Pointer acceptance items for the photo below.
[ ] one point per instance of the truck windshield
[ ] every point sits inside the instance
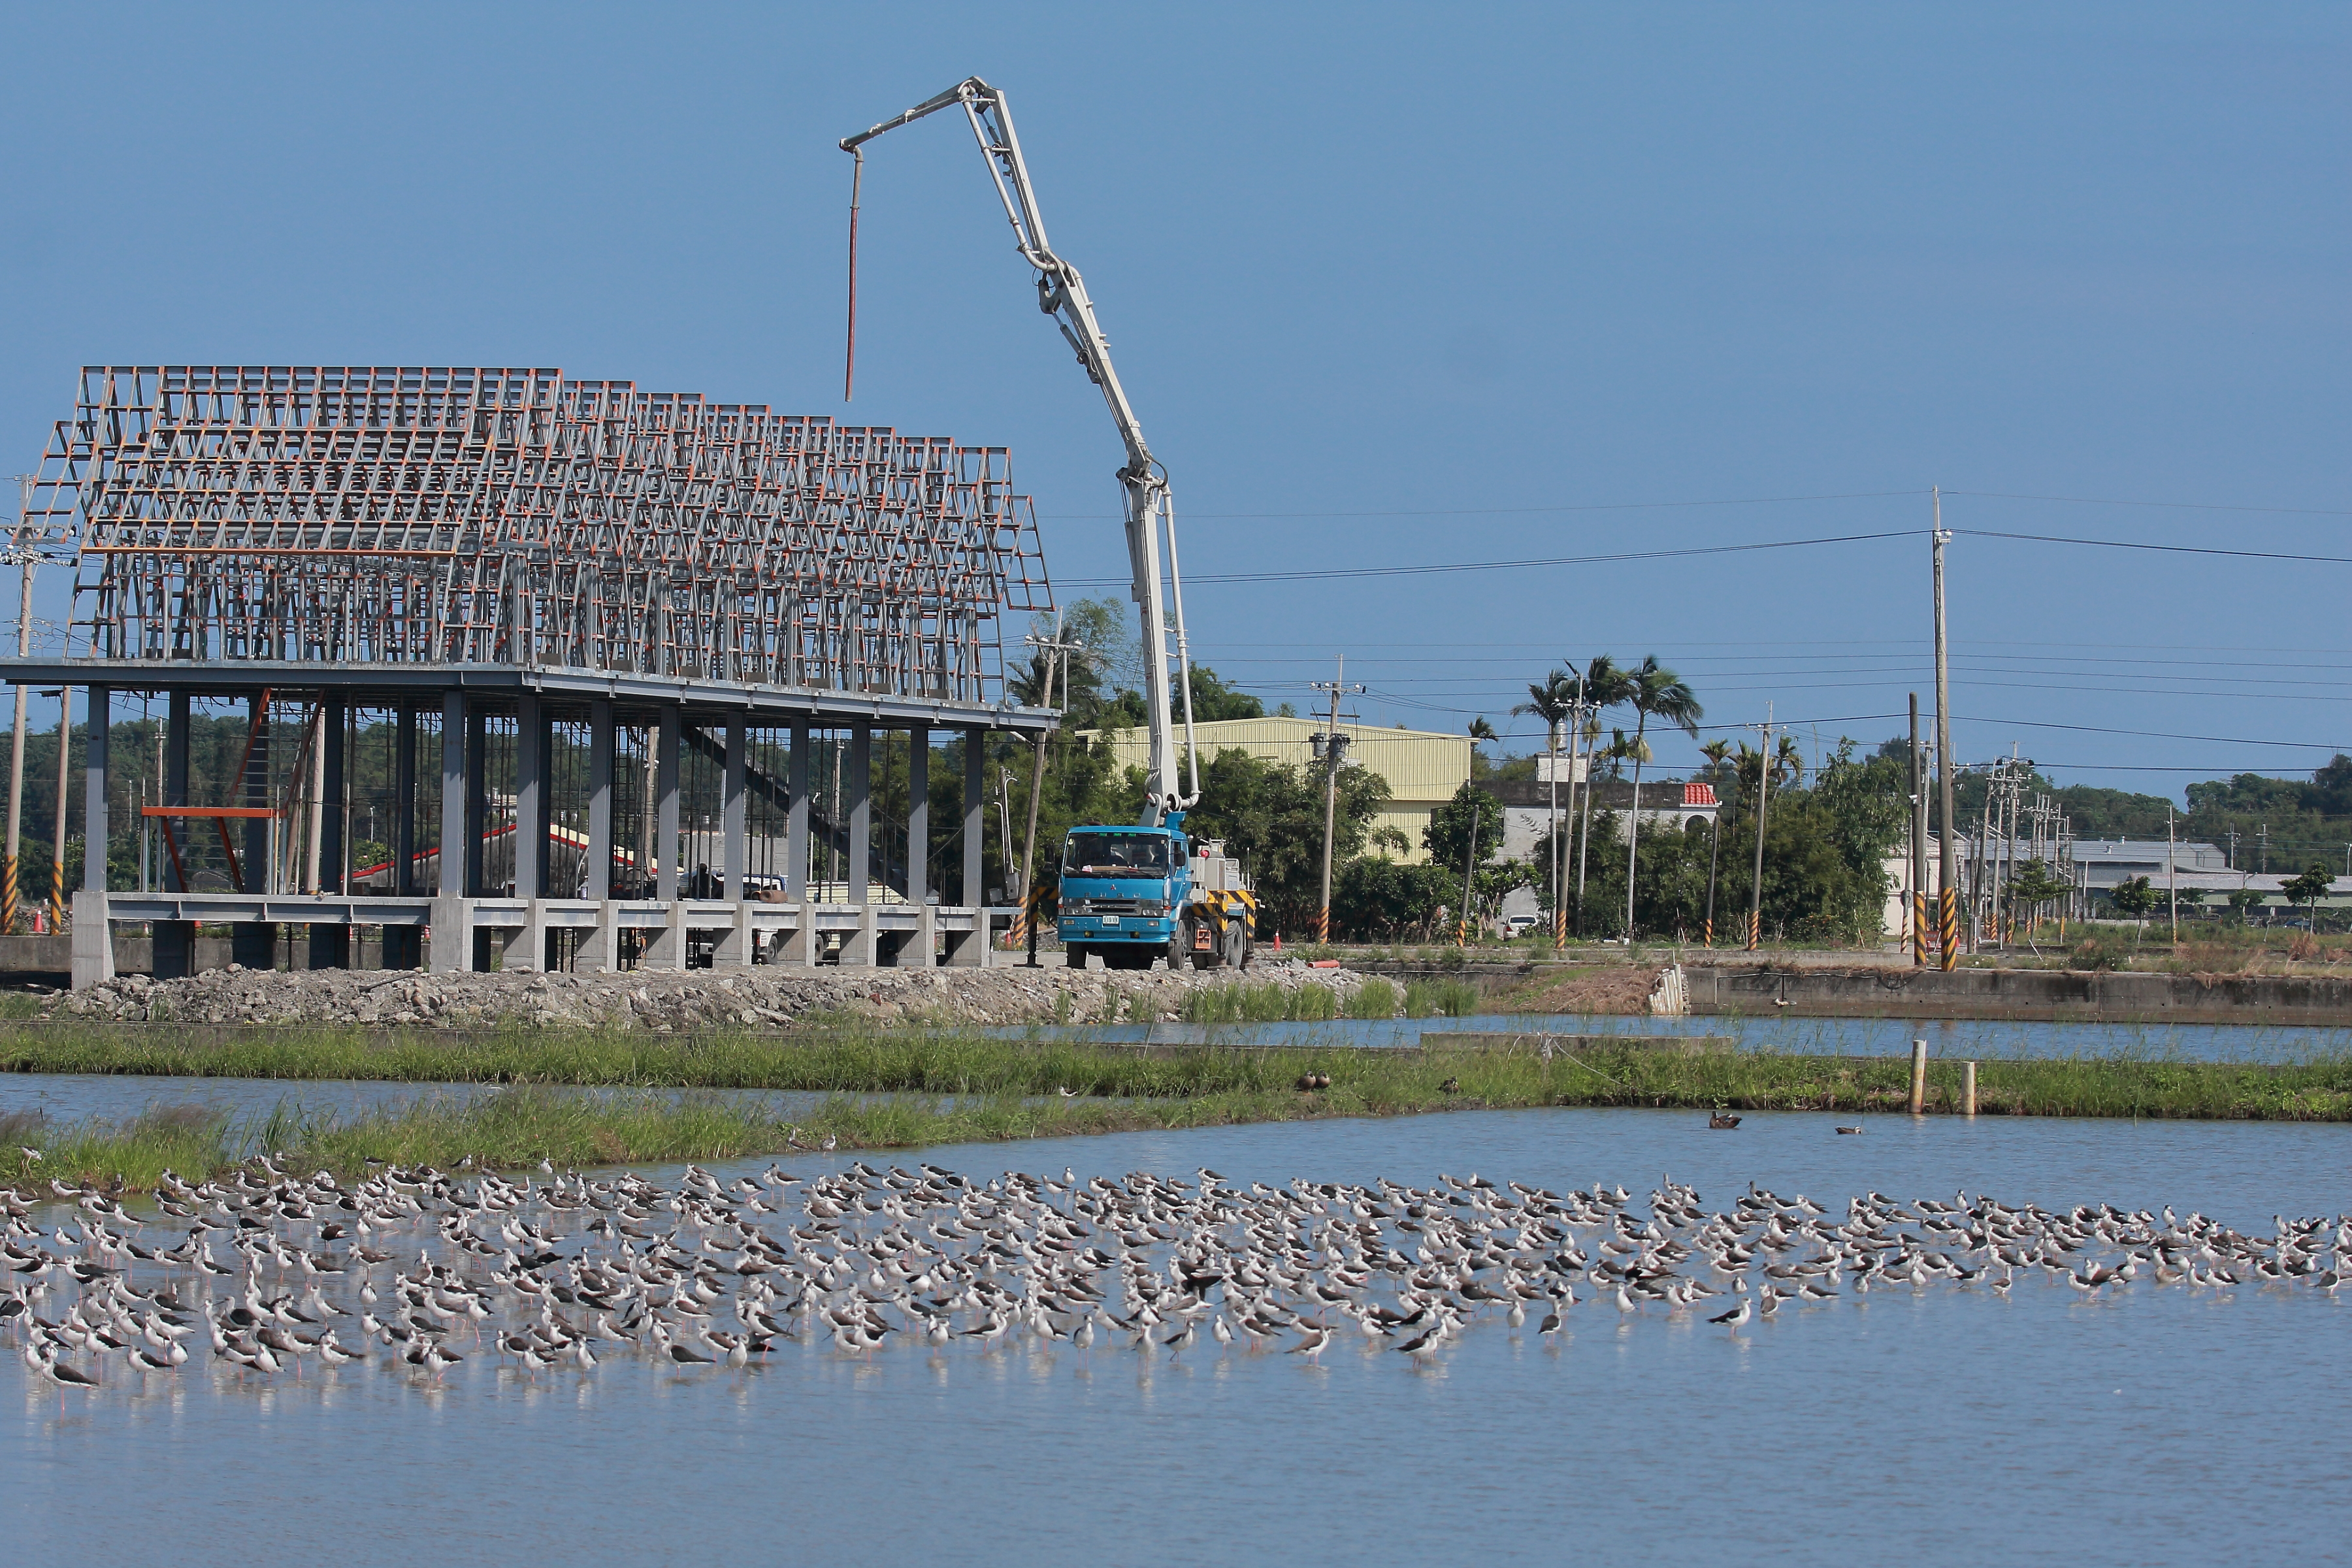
(1114, 855)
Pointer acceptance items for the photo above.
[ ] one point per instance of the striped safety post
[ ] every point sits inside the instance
(1919, 929)
(57, 894)
(1755, 930)
(1558, 929)
(1323, 924)
(8, 899)
(1950, 929)
(1710, 931)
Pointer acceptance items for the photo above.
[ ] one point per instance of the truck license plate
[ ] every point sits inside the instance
(1110, 920)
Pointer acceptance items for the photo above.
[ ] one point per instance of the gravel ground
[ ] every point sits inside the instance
(665, 1001)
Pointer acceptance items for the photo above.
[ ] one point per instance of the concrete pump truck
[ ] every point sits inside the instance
(1130, 892)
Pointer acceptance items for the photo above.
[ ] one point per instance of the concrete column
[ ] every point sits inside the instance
(94, 782)
(330, 943)
(476, 793)
(599, 951)
(919, 814)
(975, 817)
(731, 815)
(404, 945)
(796, 818)
(531, 798)
(971, 950)
(526, 947)
(93, 933)
(453, 926)
(666, 788)
(175, 941)
(254, 943)
(525, 950)
(600, 800)
(404, 803)
(858, 784)
(738, 943)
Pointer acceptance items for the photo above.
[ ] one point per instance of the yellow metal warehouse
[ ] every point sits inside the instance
(1422, 767)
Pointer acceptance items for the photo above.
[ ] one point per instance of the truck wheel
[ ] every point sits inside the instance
(1236, 954)
(1076, 955)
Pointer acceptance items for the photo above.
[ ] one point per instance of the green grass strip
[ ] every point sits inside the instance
(911, 1089)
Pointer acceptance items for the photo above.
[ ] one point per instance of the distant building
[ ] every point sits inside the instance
(1422, 767)
(1669, 803)
(1665, 803)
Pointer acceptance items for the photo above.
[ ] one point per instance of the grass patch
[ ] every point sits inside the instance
(1241, 1002)
(1375, 998)
(908, 1089)
(1441, 999)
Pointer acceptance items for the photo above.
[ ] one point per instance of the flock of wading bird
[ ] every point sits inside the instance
(419, 1269)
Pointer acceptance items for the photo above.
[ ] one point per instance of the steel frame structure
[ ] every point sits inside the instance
(425, 518)
(515, 549)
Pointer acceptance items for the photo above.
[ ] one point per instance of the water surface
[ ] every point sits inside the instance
(1949, 1426)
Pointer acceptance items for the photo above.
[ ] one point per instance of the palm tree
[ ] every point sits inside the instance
(1480, 730)
(1604, 687)
(1715, 752)
(1554, 702)
(1655, 692)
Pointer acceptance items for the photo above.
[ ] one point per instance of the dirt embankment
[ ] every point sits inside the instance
(1615, 989)
(759, 998)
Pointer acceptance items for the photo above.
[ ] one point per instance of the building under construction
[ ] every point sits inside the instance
(562, 672)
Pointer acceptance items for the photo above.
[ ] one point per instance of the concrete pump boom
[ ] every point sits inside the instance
(1151, 508)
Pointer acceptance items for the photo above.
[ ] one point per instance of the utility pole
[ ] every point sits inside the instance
(1469, 869)
(1584, 833)
(2266, 837)
(57, 839)
(1049, 650)
(1714, 851)
(24, 564)
(1004, 822)
(1918, 922)
(1947, 900)
(2171, 874)
(1763, 793)
(1330, 747)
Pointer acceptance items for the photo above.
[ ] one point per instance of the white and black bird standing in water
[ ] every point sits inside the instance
(1314, 1337)
(702, 1268)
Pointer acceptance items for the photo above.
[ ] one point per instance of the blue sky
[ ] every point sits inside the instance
(1391, 286)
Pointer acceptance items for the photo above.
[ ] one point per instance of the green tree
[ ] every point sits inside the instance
(1373, 896)
(2310, 887)
(1553, 701)
(2244, 901)
(1657, 693)
(1270, 815)
(1447, 837)
(2135, 896)
(2034, 885)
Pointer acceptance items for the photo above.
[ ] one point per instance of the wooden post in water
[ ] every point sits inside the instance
(1919, 1076)
(1968, 1089)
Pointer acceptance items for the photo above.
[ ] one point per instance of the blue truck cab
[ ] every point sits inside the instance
(1132, 894)
(1124, 891)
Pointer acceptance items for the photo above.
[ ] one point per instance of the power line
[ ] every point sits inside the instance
(2165, 548)
(2167, 505)
(1333, 573)
(1504, 511)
